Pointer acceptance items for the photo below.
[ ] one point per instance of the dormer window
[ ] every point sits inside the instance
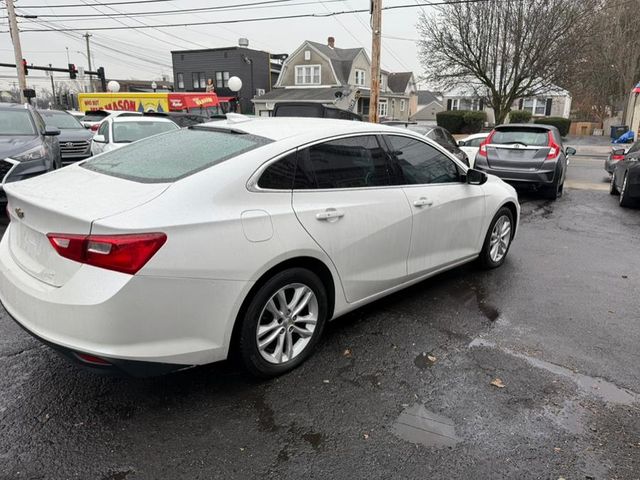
(307, 55)
(307, 74)
(360, 77)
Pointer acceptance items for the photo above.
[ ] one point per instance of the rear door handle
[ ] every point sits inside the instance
(329, 214)
(423, 202)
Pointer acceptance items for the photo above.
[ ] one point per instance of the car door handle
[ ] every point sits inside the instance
(423, 202)
(329, 214)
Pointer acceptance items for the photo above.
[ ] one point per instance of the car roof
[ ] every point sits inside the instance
(45, 111)
(278, 128)
(140, 118)
(14, 106)
(526, 125)
(476, 135)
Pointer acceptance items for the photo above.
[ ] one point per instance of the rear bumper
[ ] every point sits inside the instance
(610, 165)
(131, 321)
(537, 177)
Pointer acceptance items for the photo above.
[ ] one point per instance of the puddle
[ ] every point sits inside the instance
(418, 425)
(595, 386)
(422, 361)
(569, 417)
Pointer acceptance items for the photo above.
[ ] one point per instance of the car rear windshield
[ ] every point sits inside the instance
(127, 132)
(521, 135)
(61, 120)
(174, 155)
(16, 122)
(94, 117)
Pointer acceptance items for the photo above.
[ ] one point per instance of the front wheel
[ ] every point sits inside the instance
(613, 190)
(625, 199)
(283, 322)
(498, 239)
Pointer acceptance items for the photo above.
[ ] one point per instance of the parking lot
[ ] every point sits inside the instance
(527, 371)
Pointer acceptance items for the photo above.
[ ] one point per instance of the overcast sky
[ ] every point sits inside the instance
(123, 52)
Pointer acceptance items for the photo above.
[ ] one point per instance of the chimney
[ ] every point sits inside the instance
(331, 42)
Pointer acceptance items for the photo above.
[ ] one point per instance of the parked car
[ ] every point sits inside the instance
(185, 119)
(471, 144)
(94, 118)
(115, 132)
(312, 109)
(74, 139)
(526, 154)
(28, 146)
(76, 114)
(615, 155)
(245, 235)
(625, 180)
(437, 134)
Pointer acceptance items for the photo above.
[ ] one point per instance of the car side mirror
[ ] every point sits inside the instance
(619, 151)
(476, 177)
(51, 131)
(99, 139)
(570, 151)
(461, 143)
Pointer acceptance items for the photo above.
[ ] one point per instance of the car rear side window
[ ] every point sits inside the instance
(523, 136)
(353, 162)
(280, 174)
(174, 155)
(421, 163)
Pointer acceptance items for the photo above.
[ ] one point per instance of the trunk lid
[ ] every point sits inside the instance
(518, 148)
(65, 201)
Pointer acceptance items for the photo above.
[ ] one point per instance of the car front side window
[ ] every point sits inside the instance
(104, 131)
(352, 162)
(421, 163)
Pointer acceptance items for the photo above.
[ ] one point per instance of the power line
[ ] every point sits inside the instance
(261, 19)
(72, 5)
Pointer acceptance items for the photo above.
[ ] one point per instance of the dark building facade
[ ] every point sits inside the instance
(193, 68)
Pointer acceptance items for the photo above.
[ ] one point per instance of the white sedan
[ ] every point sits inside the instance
(244, 235)
(471, 144)
(118, 131)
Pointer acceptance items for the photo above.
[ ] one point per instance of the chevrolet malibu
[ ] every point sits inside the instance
(243, 236)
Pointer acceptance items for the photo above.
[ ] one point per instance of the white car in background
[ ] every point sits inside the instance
(118, 131)
(471, 144)
(242, 235)
(92, 120)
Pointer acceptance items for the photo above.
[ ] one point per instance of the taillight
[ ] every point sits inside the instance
(554, 148)
(94, 128)
(482, 150)
(123, 253)
(617, 157)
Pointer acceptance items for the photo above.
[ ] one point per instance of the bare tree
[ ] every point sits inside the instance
(502, 49)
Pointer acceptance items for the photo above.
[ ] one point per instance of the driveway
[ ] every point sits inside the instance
(528, 371)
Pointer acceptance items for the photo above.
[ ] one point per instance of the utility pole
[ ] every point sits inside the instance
(17, 49)
(86, 36)
(376, 32)
(53, 87)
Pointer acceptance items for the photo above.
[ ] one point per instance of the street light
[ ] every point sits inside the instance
(235, 85)
(154, 86)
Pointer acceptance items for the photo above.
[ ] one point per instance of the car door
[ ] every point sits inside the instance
(632, 157)
(345, 198)
(448, 213)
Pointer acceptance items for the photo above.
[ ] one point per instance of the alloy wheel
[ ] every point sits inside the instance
(287, 323)
(500, 239)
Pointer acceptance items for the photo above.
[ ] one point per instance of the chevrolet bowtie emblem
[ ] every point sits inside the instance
(19, 212)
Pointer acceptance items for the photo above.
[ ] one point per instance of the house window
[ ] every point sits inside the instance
(537, 106)
(360, 75)
(383, 82)
(402, 105)
(308, 75)
(453, 104)
(181, 80)
(307, 55)
(222, 79)
(382, 108)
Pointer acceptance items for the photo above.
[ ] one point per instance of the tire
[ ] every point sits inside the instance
(613, 190)
(555, 190)
(625, 200)
(486, 259)
(282, 329)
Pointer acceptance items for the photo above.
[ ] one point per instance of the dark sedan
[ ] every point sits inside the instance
(625, 180)
(74, 139)
(526, 154)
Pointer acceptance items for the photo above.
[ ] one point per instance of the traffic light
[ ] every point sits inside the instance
(103, 80)
(24, 67)
(73, 71)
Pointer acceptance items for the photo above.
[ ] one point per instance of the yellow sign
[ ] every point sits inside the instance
(130, 102)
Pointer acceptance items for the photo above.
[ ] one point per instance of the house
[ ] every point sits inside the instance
(257, 69)
(339, 77)
(633, 111)
(556, 102)
(428, 104)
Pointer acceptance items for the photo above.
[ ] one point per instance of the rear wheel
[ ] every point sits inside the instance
(283, 322)
(625, 199)
(498, 239)
(613, 190)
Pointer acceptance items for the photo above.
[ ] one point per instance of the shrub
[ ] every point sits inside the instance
(461, 121)
(562, 124)
(519, 116)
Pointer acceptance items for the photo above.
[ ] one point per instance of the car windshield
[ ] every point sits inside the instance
(60, 120)
(16, 122)
(94, 116)
(173, 155)
(523, 136)
(127, 132)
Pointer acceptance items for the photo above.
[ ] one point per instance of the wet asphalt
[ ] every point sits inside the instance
(399, 389)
